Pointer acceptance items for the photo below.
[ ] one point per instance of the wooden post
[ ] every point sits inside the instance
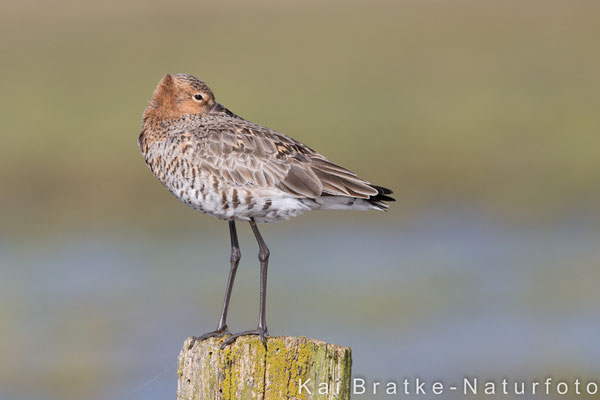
(290, 368)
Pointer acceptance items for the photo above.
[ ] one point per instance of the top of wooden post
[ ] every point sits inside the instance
(290, 368)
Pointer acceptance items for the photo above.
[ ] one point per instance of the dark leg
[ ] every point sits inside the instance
(263, 257)
(222, 329)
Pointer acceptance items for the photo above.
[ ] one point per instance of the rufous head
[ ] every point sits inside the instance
(177, 95)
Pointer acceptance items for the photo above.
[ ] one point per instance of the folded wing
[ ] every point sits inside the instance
(249, 155)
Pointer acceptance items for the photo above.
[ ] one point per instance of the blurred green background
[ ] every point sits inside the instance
(482, 116)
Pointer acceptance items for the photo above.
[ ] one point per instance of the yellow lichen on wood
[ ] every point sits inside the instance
(291, 368)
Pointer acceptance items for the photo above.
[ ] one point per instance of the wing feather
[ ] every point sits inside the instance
(302, 180)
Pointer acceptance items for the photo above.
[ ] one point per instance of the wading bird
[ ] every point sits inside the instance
(222, 165)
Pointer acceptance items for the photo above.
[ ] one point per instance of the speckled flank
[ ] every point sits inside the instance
(222, 165)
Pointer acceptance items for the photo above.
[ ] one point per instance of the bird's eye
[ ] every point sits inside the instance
(198, 97)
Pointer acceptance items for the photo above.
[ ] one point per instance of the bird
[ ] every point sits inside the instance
(225, 166)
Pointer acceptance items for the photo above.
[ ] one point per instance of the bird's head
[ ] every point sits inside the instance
(177, 95)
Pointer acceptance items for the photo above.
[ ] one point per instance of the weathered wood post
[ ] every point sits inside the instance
(291, 368)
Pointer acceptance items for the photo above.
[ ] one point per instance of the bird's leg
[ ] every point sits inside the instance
(222, 329)
(263, 257)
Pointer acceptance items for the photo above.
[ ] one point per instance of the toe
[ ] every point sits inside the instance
(223, 331)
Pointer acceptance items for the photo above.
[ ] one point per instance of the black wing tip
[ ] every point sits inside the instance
(381, 196)
(382, 192)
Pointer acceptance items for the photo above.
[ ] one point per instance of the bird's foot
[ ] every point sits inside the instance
(220, 332)
(262, 332)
